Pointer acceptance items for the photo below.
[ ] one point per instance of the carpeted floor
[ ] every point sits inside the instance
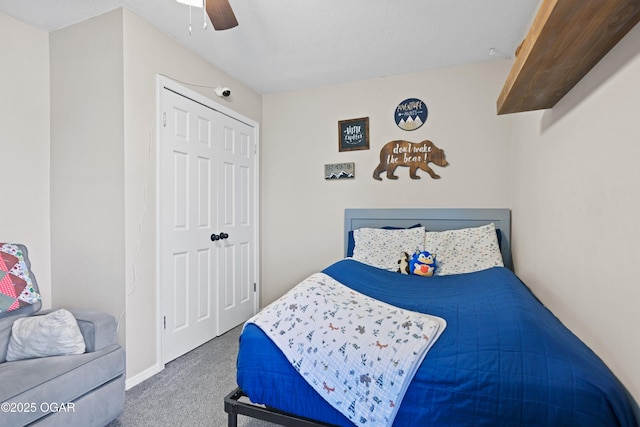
(189, 391)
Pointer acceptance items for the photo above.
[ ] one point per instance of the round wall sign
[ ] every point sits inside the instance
(411, 114)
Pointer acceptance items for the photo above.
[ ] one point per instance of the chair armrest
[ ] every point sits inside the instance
(98, 329)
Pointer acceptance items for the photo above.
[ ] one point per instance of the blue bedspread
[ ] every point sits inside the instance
(504, 359)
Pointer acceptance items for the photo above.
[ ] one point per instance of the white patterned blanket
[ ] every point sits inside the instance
(358, 353)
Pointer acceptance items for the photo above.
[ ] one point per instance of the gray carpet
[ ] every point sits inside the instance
(189, 391)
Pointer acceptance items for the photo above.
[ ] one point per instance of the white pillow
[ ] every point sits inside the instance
(383, 248)
(465, 250)
(53, 334)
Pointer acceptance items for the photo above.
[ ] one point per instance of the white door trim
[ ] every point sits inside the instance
(164, 82)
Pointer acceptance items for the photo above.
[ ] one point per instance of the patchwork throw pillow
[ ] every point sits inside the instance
(465, 250)
(17, 285)
(53, 334)
(382, 248)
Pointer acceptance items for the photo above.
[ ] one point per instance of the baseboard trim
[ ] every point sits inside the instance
(144, 375)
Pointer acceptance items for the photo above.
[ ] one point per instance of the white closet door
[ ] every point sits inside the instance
(237, 277)
(207, 224)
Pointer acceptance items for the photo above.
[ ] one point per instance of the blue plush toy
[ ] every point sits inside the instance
(422, 263)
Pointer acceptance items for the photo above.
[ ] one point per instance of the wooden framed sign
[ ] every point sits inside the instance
(353, 134)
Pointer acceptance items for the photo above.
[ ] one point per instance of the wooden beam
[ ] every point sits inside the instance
(566, 40)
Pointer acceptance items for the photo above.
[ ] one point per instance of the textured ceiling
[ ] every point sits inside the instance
(282, 45)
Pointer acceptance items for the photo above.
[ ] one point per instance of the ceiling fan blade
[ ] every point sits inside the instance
(221, 14)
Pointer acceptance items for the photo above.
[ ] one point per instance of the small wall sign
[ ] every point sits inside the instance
(411, 114)
(353, 134)
(340, 171)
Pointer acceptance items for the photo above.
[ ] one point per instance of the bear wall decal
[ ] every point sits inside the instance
(415, 155)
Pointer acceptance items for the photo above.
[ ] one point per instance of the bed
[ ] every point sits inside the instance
(501, 359)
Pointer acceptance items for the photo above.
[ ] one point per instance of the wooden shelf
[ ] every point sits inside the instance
(565, 41)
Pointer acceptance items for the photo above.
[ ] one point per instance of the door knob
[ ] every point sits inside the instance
(220, 236)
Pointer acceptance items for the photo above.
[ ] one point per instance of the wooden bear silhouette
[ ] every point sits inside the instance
(416, 155)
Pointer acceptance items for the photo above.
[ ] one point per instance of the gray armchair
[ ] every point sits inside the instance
(85, 389)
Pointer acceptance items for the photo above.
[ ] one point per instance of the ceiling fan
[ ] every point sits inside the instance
(219, 12)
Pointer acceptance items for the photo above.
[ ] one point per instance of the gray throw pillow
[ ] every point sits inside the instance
(53, 334)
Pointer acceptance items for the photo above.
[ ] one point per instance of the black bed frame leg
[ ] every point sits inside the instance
(233, 420)
(231, 407)
(233, 416)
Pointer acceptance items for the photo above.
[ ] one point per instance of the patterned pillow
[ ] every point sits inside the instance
(351, 242)
(17, 286)
(382, 248)
(465, 250)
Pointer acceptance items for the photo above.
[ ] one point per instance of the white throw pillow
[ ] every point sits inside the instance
(53, 334)
(383, 248)
(465, 250)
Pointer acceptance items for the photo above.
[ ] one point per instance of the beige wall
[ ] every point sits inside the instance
(302, 213)
(87, 171)
(24, 144)
(147, 52)
(575, 208)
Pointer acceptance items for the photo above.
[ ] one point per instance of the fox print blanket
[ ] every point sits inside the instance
(357, 352)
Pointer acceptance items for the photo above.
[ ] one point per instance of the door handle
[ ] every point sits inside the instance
(221, 236)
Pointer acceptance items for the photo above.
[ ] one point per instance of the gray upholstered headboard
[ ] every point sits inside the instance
(433, 220)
